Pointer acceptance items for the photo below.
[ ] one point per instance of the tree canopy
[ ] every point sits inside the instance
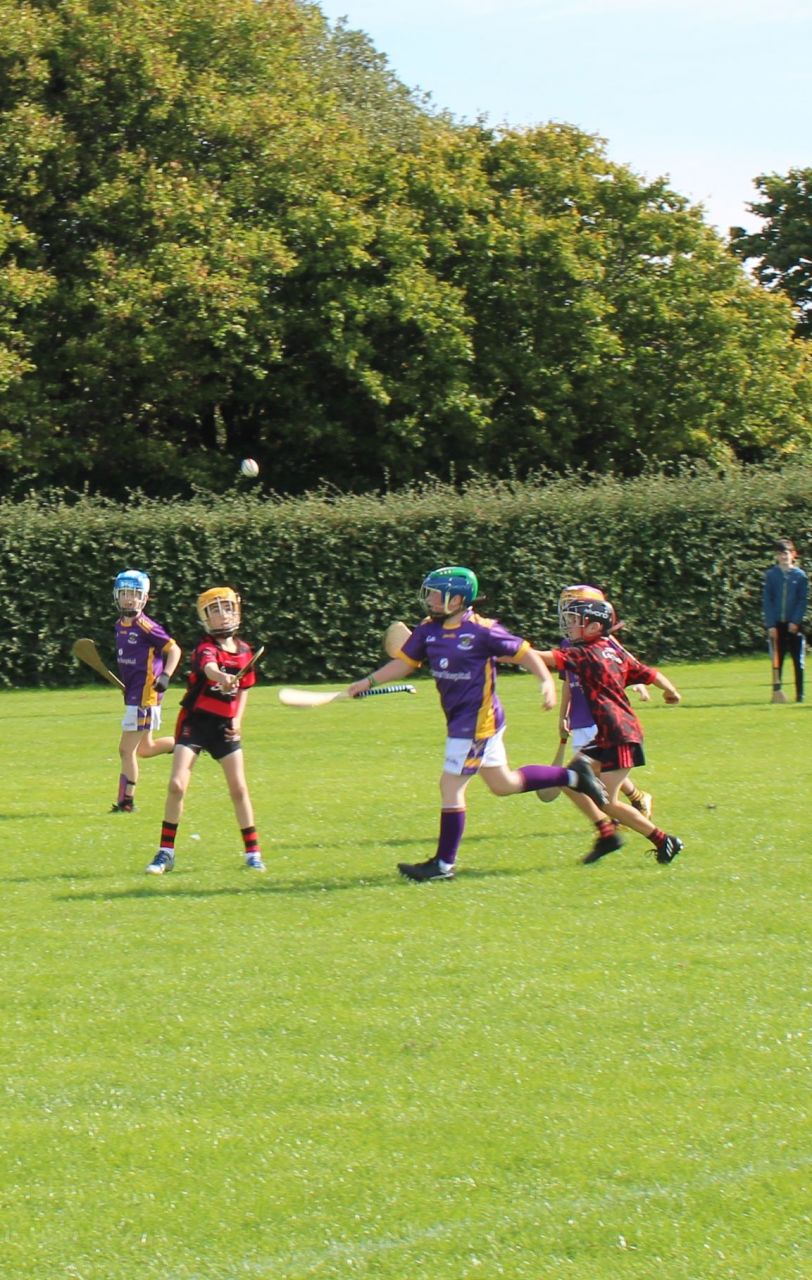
(227, 229)
(782, 248)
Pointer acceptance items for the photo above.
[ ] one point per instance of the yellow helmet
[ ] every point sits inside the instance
(227, 604)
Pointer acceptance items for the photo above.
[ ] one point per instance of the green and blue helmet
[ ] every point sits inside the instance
(450, 581)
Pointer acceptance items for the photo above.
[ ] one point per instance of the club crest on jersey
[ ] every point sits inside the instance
(611, 654)
(466, 641)
(443, 663)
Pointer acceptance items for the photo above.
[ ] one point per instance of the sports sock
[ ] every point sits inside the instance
(250, 839)
(168, 830)
(606, 827)
(657, 836)
(538, 776)
(634, 796)
(452, 825)
(123, 784)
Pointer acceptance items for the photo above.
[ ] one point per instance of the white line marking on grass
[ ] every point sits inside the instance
(297, 1264)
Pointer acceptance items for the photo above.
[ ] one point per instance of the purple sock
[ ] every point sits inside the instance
(122, 787)
(538, 776)
(452, 825)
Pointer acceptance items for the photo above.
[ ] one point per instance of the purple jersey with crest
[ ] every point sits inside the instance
(461, 657)
(140, 647)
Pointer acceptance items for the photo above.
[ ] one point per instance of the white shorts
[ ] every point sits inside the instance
(466, 756)
(583, 737)
(141, 719)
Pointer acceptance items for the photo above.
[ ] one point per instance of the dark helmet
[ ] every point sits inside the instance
(592, 611)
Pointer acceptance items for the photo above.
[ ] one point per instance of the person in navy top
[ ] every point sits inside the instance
(784, 598)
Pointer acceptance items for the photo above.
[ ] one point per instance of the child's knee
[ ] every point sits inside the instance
(178, 785)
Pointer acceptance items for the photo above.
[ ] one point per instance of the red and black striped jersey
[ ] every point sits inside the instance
(201, 694)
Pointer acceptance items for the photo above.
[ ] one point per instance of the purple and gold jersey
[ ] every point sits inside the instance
(140, 647)
(461, 656)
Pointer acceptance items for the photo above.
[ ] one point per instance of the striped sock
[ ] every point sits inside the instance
(250, 839)
(168, 830)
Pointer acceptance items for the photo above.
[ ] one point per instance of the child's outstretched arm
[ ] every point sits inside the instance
(394, 670)
(670, 694)
(533, 662)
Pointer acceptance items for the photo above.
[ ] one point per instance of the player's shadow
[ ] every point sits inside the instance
(418, 843)
(68, 876)
(295, 888)
(25, 817)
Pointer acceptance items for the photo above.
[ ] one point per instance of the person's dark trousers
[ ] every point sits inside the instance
(792, 643)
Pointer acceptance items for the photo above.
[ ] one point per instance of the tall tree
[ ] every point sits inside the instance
(217, 242)
(782, 249)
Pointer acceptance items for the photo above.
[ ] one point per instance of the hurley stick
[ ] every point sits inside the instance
(85, 650)
(314, 698)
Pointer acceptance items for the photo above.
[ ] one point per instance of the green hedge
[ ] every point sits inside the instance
(321, 576)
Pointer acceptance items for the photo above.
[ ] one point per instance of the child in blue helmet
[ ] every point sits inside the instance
(462, 649)
(147, 658)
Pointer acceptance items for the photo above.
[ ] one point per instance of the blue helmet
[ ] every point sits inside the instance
(135, 584)
(450, 581)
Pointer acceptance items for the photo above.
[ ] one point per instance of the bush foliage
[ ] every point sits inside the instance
(321, 576)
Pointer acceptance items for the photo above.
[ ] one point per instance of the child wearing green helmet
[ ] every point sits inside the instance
(461, 650)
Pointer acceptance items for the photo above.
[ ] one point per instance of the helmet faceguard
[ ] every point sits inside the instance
(580, 613)
(580, 591)
(449, 582)
(131, 592)
(219, 611)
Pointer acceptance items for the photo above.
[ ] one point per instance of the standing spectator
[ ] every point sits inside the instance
(785, 596)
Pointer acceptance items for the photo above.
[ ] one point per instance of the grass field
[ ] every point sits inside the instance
(540, 1070)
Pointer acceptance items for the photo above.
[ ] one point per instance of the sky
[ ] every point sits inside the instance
(708, 93)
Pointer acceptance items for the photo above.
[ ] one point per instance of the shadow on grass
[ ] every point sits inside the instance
(25, 817)
(154, 892)
(68, 876)
(278, 847)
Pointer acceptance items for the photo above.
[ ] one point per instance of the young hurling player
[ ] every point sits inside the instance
(147, 657)
(461, 649)
(605, 670)
(575, 718)
(210, 718)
